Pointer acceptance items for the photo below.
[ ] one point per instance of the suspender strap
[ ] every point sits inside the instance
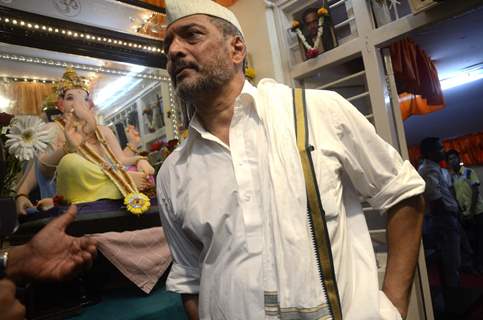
(316, 213)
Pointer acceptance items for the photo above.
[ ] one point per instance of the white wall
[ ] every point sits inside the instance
(252, 17)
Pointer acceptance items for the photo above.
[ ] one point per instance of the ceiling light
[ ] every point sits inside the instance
(463, 77)
(4, 103)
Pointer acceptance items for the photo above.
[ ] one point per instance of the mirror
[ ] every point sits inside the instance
(123, 94)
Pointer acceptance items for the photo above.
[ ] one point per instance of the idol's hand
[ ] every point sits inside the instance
(132, 135)
(23, 203)
(74, 136)
(85, 114)
(145, 166)
(141, 180)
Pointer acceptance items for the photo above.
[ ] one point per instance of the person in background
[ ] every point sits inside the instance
(51, 255)
(443, 209)
(467, 189)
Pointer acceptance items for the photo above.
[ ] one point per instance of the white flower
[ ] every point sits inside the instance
(28, 136)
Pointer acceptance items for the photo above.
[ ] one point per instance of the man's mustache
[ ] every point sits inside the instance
(182, 64)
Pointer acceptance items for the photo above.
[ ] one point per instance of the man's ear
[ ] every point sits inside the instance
(239, 50)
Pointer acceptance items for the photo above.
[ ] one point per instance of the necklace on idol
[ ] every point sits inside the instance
(136, 202)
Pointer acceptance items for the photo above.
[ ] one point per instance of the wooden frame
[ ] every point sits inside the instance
(39, 38)
(421, 5)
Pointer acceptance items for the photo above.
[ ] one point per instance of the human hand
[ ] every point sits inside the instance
(10, 307)
(399, 300)
(133, 136)
(144, 166)
(23, 203)
(52, 254)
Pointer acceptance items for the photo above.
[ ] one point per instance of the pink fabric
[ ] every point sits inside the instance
(142, 256)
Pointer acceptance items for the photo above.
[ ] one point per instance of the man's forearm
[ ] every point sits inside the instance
(404, 229)
(190, 302)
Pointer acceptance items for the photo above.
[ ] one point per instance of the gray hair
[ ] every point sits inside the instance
(229, 30)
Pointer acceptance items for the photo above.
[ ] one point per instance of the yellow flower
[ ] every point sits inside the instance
(323, 12)
(137, 203)
(250, 73)
(295, 24)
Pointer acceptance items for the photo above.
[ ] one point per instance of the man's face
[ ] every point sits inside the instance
(312, 23)
(199, 58)
(438, 152)
(454, 161)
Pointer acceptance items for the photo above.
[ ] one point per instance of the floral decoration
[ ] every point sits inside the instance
(28, 136)
(311, 51)
(137, 203)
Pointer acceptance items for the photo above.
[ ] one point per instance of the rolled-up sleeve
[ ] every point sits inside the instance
(185, 273)
(374, 167)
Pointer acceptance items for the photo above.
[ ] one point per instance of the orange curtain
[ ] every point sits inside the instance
(412, 104)
(416, 78)
(470, 148)
(27, 97)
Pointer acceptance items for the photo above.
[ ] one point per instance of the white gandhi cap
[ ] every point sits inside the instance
(177, 9)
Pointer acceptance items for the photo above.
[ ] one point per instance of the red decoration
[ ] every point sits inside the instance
(59, 200)
(312, 53)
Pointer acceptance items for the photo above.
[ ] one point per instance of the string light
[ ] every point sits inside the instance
(84, 67)
(6, 80)
(174, 113)
(74, 34)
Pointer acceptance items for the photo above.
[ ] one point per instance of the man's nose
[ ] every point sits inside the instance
(176, 49)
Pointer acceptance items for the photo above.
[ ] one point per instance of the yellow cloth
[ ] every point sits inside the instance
(463, 182)
(79, 180)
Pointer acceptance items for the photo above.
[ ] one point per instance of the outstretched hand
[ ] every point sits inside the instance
(54, 255)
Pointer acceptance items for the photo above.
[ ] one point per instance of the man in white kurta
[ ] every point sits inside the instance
(233, 201)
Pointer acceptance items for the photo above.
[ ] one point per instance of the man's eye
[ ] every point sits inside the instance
(193, 34)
